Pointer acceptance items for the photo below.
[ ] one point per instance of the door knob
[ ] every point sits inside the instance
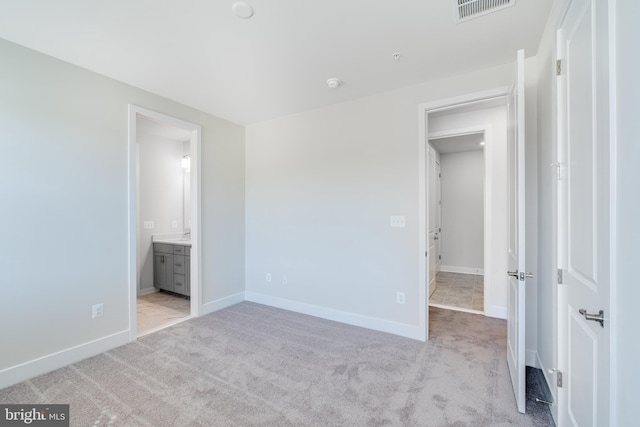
(513, 273)
(595, 317)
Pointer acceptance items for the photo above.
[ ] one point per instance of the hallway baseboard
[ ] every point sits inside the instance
(462, 270)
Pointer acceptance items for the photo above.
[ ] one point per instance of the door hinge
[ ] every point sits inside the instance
(439, 202)
(439, 256)
(439, 175)
(559, 378)
(426, 254)
(559, 67)
(439, 229)
(559, 276)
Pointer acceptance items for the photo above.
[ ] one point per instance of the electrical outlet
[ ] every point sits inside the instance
(174, 224)
(398, 221)
(268, 277)
(285, 280)
(97, 310)
(148, 225)
(400, 297)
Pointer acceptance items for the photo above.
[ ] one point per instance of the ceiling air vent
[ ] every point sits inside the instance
(469, 9)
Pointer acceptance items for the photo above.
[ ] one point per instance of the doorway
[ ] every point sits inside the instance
(457, 203)
(164, 185)
(482, 113)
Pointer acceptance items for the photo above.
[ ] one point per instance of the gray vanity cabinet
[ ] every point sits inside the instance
(171, 265)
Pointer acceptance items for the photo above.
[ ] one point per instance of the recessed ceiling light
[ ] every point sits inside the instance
(482, 143)
(334, 83)
(242, 10)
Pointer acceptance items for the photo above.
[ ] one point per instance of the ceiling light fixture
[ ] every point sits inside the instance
(242, 10)
(334, 83)
(397, 56)
(482, 143)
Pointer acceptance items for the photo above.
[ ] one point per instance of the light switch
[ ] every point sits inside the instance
(397, 221)
(148, 225)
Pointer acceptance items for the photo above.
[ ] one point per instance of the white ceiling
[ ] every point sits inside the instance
(199, 53)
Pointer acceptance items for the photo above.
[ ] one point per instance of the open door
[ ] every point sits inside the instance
(517, 268)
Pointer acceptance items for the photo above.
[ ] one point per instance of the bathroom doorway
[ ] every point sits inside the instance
(164, 189)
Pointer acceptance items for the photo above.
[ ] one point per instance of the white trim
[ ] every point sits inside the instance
(454, 308)
(462, 270)
(613, 213)
(59, 359)
(423, 221)
(401, 329)
(196, 255)
(495, 311)
(221, 303)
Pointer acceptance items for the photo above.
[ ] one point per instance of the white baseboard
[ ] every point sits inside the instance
(221, 303)
(401, 329)
(495, 311)
(147, 291)
(462, 270)
(59, 359)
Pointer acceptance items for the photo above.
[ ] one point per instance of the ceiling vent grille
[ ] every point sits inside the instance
(469, 9)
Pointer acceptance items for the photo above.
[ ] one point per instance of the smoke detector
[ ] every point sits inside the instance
(469, 9)
(242, 10)
(334, 83)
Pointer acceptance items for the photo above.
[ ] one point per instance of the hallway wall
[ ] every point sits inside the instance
(462, 237)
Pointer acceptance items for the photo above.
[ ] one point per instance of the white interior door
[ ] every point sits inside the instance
(584, 209)
(438, 224)
(517, 268)
(433, 235)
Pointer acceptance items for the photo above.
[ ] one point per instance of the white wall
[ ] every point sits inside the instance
(625, 302)
(161, 195)
(462, 237)
(321, 186)
(63, 180)
(495, 121)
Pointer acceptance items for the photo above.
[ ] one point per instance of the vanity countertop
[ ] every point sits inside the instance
(172, 240)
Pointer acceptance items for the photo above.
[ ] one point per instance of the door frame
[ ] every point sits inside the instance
(196, 214)
(487, 197)
(423, 212)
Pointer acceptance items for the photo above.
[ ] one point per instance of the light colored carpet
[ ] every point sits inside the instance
(252, 365)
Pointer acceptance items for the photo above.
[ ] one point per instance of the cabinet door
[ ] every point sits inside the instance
(159, 277)
(163, 271)
(179, 284)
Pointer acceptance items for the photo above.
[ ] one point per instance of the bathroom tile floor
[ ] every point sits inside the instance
(456, 290)
(160, 309)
